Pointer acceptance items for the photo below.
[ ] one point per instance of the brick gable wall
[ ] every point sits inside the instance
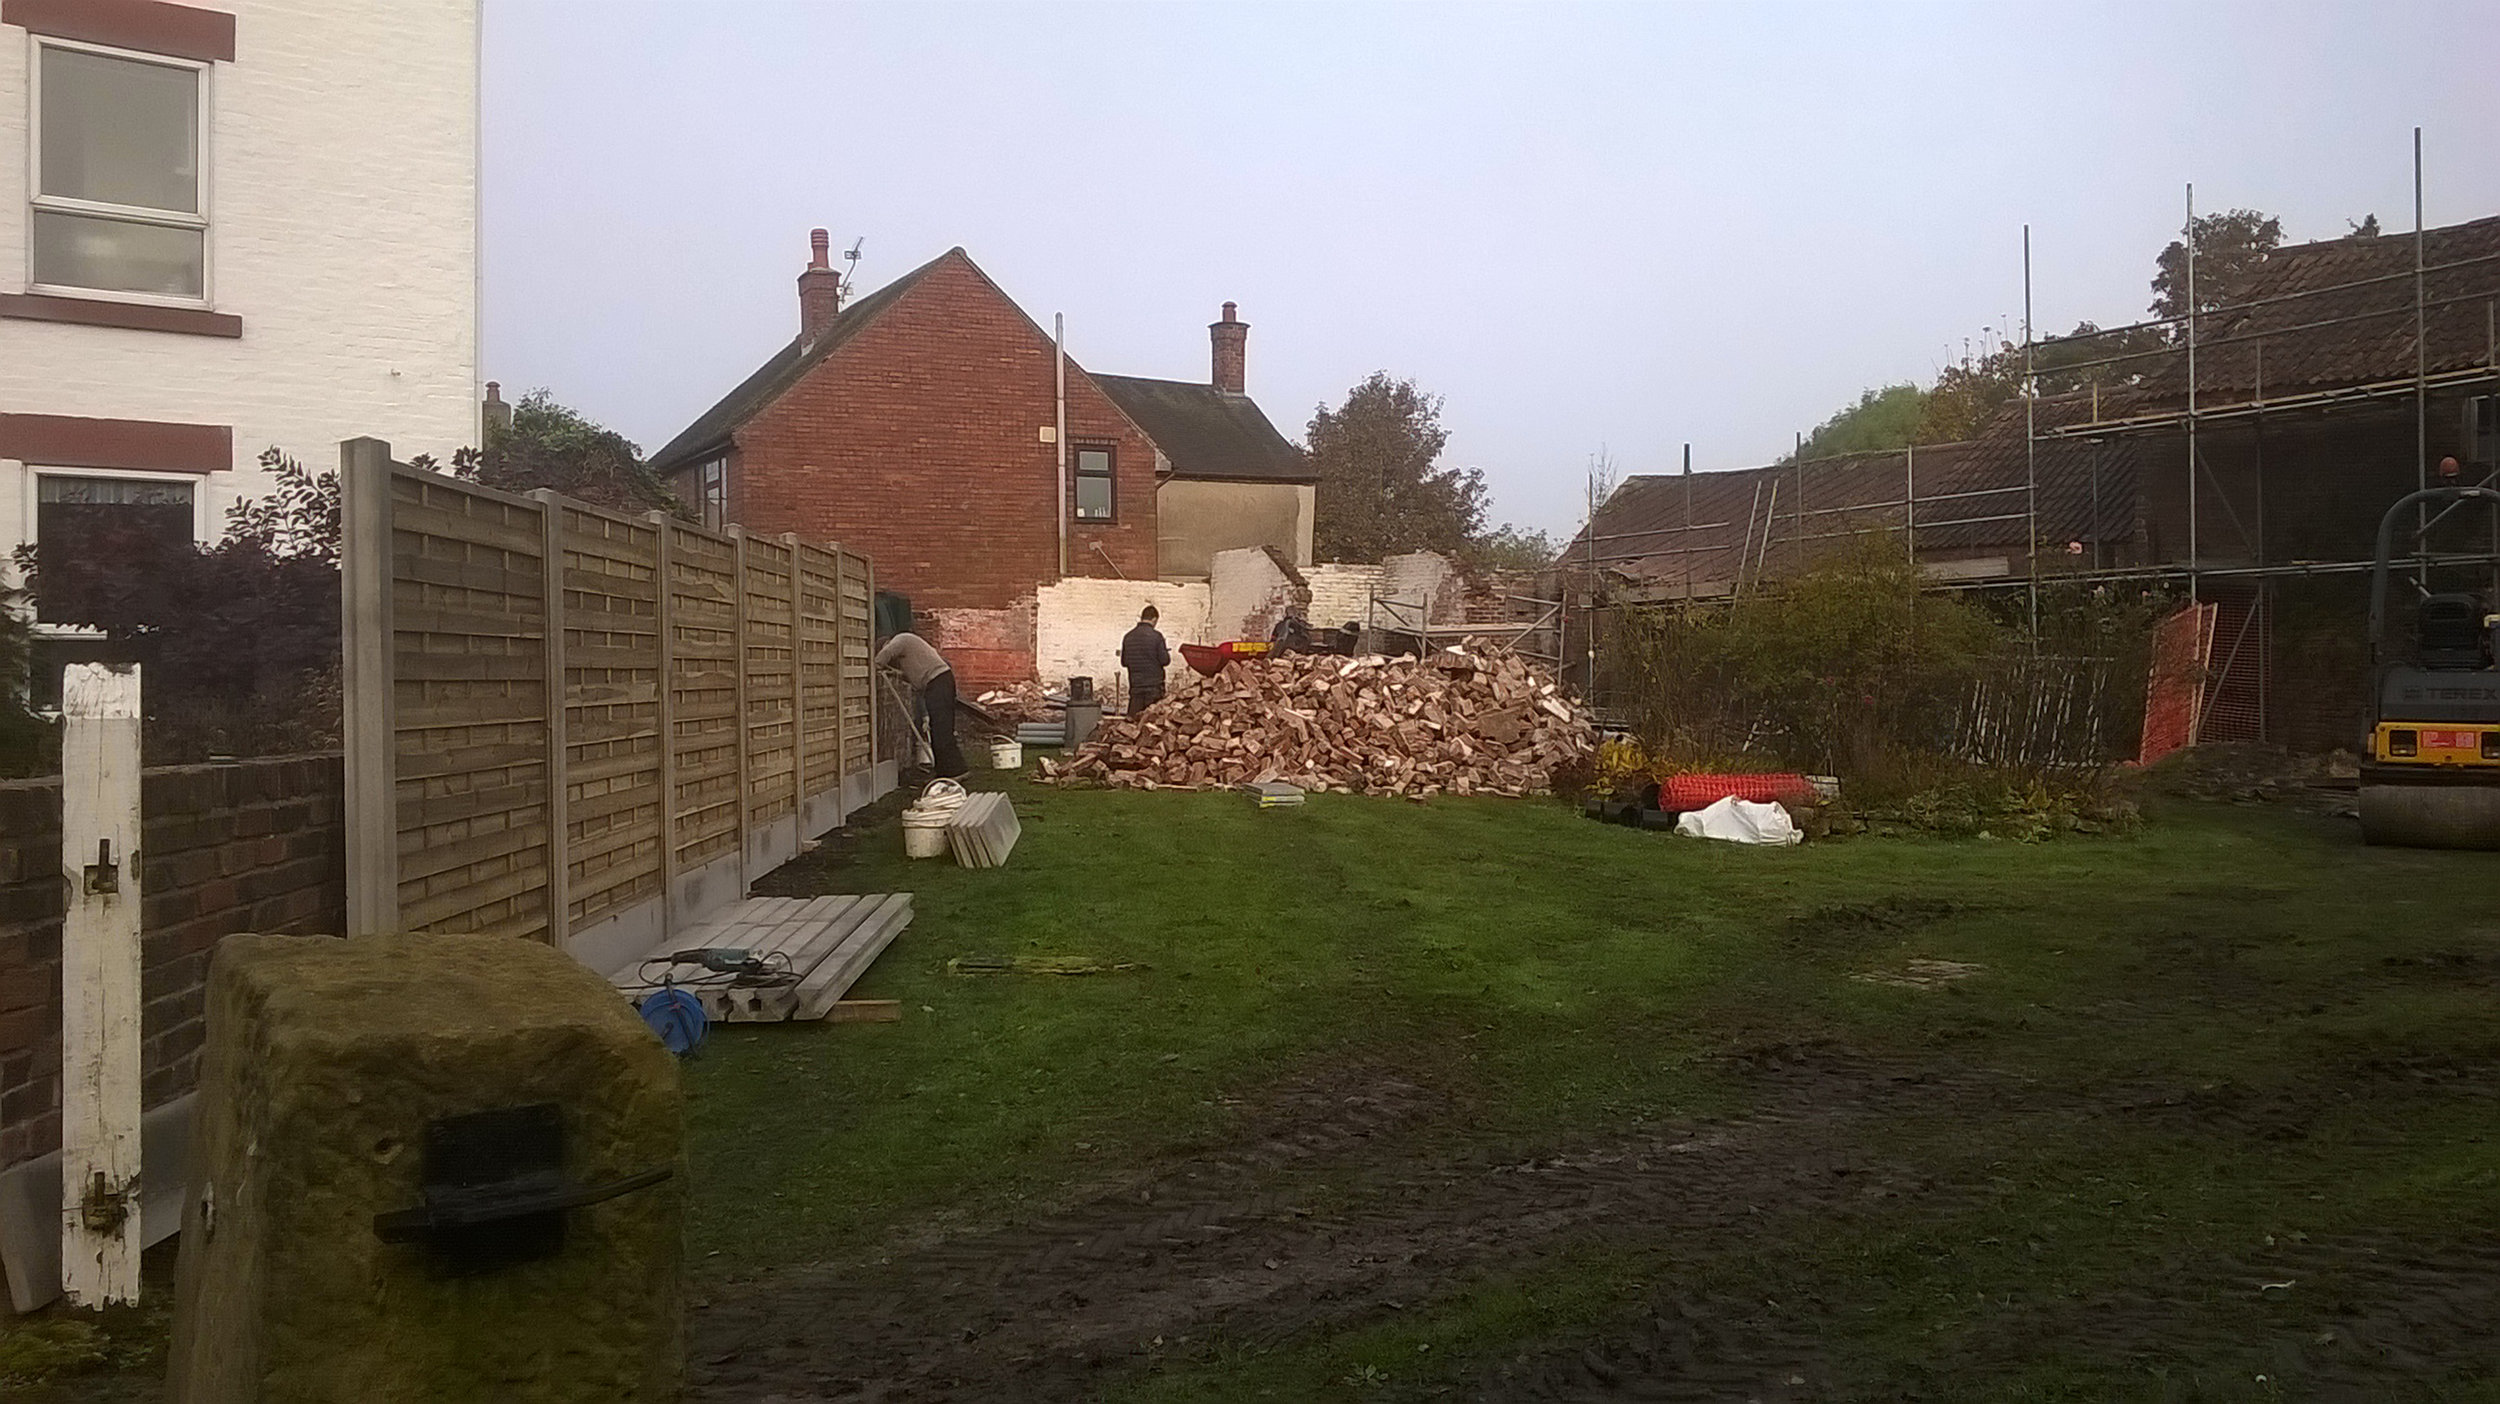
(917, 444)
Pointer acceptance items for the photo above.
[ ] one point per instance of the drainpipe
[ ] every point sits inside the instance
(1059, 346)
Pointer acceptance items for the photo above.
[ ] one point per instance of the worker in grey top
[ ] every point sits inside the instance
(1145, 655)
(934, 679)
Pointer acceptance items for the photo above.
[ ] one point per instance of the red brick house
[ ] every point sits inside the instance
(917, 425)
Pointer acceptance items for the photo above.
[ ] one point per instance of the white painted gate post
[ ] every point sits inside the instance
(100, 1240)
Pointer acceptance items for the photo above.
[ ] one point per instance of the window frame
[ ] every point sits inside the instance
(37, 202)
(1110, 476)
(708, 474)
(32, 491)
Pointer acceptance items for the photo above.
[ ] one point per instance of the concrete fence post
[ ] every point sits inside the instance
(370, 723)
(559, 823)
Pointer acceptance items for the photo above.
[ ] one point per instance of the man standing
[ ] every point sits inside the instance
(929, 675)
(1145, 655)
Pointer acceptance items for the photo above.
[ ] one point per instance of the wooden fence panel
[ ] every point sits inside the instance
(771, 636)
(611, 659)
(583, 727)
(859, 684)
(468, 657)
(821, 761)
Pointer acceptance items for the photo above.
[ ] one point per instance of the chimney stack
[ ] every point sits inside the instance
(1232, 352)
(820, 288)
(498, 413)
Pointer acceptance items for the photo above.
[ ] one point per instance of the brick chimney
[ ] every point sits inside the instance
(498, 411)
(1232, 352)
(820, 288)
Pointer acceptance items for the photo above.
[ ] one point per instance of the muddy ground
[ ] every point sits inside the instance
(1338, 1215)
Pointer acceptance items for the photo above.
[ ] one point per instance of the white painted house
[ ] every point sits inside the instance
(224, 229)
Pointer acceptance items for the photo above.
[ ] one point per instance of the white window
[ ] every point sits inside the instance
(92, 531)
(120, 190)
(711, 487)
(1094, 499)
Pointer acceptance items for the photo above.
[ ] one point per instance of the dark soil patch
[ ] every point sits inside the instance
(1332, 1226)
(813, 874)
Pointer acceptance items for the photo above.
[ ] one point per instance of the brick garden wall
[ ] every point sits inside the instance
(253, 846)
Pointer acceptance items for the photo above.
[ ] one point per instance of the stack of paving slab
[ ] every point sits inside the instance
(983, 831)
(815, 947)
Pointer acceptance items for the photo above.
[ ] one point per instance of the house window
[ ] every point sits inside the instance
(95, 538)
(711, 492)
(94, 534)
(119, 202)
(1093, 496)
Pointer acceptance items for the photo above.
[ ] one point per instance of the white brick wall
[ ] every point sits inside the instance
(1077, 626)
(1248, 592)
(1341, 592)
(342, 160)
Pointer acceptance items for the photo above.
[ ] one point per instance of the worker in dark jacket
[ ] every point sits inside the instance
(934, 679)
(1145, 655)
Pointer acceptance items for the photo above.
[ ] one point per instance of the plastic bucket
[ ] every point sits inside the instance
(924, 832)
(1007, 755)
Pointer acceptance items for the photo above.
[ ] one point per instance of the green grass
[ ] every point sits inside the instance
(1551, 976)
(1551, 970)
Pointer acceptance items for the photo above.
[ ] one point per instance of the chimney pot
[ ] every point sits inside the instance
(820, 288)
(1231, 337)
(494, 392)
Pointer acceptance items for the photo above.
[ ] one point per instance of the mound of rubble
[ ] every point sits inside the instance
(1457, 721)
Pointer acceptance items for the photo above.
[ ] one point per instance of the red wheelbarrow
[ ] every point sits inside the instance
(1210, 659)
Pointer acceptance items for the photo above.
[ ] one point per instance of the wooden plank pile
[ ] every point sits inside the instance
(806, 953)
(983, 831)
(1459, 721)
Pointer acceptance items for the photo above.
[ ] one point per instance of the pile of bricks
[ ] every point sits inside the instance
(1458, 721)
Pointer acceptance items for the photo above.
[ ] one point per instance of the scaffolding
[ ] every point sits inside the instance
(1778, 515)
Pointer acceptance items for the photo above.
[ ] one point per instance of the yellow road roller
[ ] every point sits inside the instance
(2432, 776)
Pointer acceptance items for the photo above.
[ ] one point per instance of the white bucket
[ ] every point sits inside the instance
(924, 834)
(924, 824)
(1007, 755)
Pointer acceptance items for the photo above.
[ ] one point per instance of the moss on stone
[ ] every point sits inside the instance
(326, 1060)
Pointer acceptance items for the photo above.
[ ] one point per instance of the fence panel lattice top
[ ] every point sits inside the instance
(582, 726)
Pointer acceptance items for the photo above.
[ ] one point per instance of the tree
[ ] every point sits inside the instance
(550, 446)
(2229, 245)
(1883, 418)
(1379, 491)
(1509, 547)
(2366, 229)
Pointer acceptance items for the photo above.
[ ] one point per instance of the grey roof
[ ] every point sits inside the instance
(712, 428)
(1207, 433)
(2340, 312)
(1656, 529)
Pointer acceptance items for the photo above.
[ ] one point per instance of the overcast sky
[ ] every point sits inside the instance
(1585, 226)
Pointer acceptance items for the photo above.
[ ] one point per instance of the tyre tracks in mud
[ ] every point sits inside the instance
(1334, 1221)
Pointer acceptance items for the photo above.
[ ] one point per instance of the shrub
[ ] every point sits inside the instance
(240, 641)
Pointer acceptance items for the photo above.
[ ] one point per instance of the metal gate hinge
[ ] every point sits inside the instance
(103, 875)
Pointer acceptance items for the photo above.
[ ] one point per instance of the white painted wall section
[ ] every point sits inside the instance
(343, 225)
(1078, 624)
(1340, 592)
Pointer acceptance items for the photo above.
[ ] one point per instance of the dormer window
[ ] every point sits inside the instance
(120, 193)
